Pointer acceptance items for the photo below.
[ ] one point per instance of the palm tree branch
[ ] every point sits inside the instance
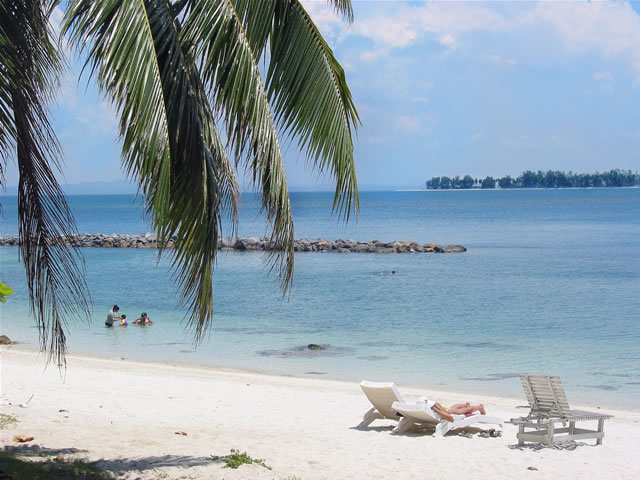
(311, 99)
(170, 143)
(55, 274)
(231, 75)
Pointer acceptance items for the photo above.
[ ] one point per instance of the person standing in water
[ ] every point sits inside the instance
(112, 316)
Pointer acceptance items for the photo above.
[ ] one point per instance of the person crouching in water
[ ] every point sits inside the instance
(143, 320)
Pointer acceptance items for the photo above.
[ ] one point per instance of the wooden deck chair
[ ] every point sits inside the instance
(421, 413)
(381, 395)
(549, 406)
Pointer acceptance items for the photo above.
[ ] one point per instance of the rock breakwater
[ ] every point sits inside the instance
(149, 240)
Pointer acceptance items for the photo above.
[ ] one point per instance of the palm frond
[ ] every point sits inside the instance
(312, 101)
(230, 73)
(55, 274)
(307, 88)
(171, 145)
(344, 8)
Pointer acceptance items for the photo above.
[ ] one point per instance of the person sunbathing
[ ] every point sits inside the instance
(457, 409)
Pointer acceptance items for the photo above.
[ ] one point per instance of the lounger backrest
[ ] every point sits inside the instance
(382, 395)
(545, 395)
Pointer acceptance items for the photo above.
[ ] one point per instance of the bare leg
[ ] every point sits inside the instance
(467, 408)
(443, 412)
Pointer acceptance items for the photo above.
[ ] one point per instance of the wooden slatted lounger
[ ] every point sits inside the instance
(549, 406)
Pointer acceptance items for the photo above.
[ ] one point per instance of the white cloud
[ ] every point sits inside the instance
(607, 28)
(408, 123)
(394, 32)
(605, 80)
(449, 41)
(501, 61)
(559, 141)
(476, 137)
(603, 76)
(98, 118)
(523, 142)
(323, 15)
(372, 55)
(419, 100)
(402, 25)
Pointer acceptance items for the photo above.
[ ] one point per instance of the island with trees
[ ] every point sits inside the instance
(540, 179)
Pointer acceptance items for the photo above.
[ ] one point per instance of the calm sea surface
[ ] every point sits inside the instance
(549, 285)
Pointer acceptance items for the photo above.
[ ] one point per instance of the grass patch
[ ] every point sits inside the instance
(6, 420)
(235, 459)
(21, 468)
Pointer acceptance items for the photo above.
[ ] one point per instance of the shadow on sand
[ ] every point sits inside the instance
(123, 465)
(117, 466)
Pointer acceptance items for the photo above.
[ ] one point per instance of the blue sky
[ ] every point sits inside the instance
(447, 88)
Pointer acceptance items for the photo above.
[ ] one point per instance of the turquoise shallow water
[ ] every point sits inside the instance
(549, 285)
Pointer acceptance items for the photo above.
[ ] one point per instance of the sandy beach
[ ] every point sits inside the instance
(126, 414)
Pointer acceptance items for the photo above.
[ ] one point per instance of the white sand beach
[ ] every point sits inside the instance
(125, 414)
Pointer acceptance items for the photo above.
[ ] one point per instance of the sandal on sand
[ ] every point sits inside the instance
(494, 433)
(484, 434)
(466, 434)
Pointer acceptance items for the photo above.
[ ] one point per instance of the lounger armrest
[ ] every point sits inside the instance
(584, 415)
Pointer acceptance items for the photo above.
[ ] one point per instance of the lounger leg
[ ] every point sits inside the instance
(520, 433)
(368, 417)
(572, 429)
(600, 430)
(550, 433)
(443, 428)
(403, 425)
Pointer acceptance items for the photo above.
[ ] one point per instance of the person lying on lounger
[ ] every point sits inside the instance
(457, 409)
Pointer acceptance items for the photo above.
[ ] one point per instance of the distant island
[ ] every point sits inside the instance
(540, 179)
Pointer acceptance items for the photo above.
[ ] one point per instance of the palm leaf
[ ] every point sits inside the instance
(307, 88)
(171, 145)
(312, 101)
(55, 274)
(231, 75)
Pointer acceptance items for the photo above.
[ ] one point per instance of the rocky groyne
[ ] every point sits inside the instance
(149, 240)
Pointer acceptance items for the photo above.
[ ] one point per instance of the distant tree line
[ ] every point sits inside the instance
(540, 179)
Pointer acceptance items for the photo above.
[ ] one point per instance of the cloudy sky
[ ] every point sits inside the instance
(449, 88)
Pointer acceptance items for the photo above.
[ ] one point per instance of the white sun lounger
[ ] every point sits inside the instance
(421, 413)
(549, 405)
(389, 404)
(381, 395)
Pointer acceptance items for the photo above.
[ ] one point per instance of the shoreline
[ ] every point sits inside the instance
(204, 368)
(128, 416)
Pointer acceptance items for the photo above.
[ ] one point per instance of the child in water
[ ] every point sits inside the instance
(123, 321)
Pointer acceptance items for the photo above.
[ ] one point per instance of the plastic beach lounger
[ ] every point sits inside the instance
(549, 405)
(381, 395)
(421, 413)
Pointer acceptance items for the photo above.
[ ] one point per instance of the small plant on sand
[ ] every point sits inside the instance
(6, 420)
(235, 459)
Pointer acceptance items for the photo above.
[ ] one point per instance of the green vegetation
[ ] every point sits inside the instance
(235, 459)
(20, 467)
(6, 420)
(5, 291)
(540, 179)
(205, 90)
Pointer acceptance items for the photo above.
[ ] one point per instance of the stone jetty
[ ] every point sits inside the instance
(149, 240)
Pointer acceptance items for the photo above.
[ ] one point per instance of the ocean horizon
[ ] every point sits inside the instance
(548, 286)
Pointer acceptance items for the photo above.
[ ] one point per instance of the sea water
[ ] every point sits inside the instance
(549, 285)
